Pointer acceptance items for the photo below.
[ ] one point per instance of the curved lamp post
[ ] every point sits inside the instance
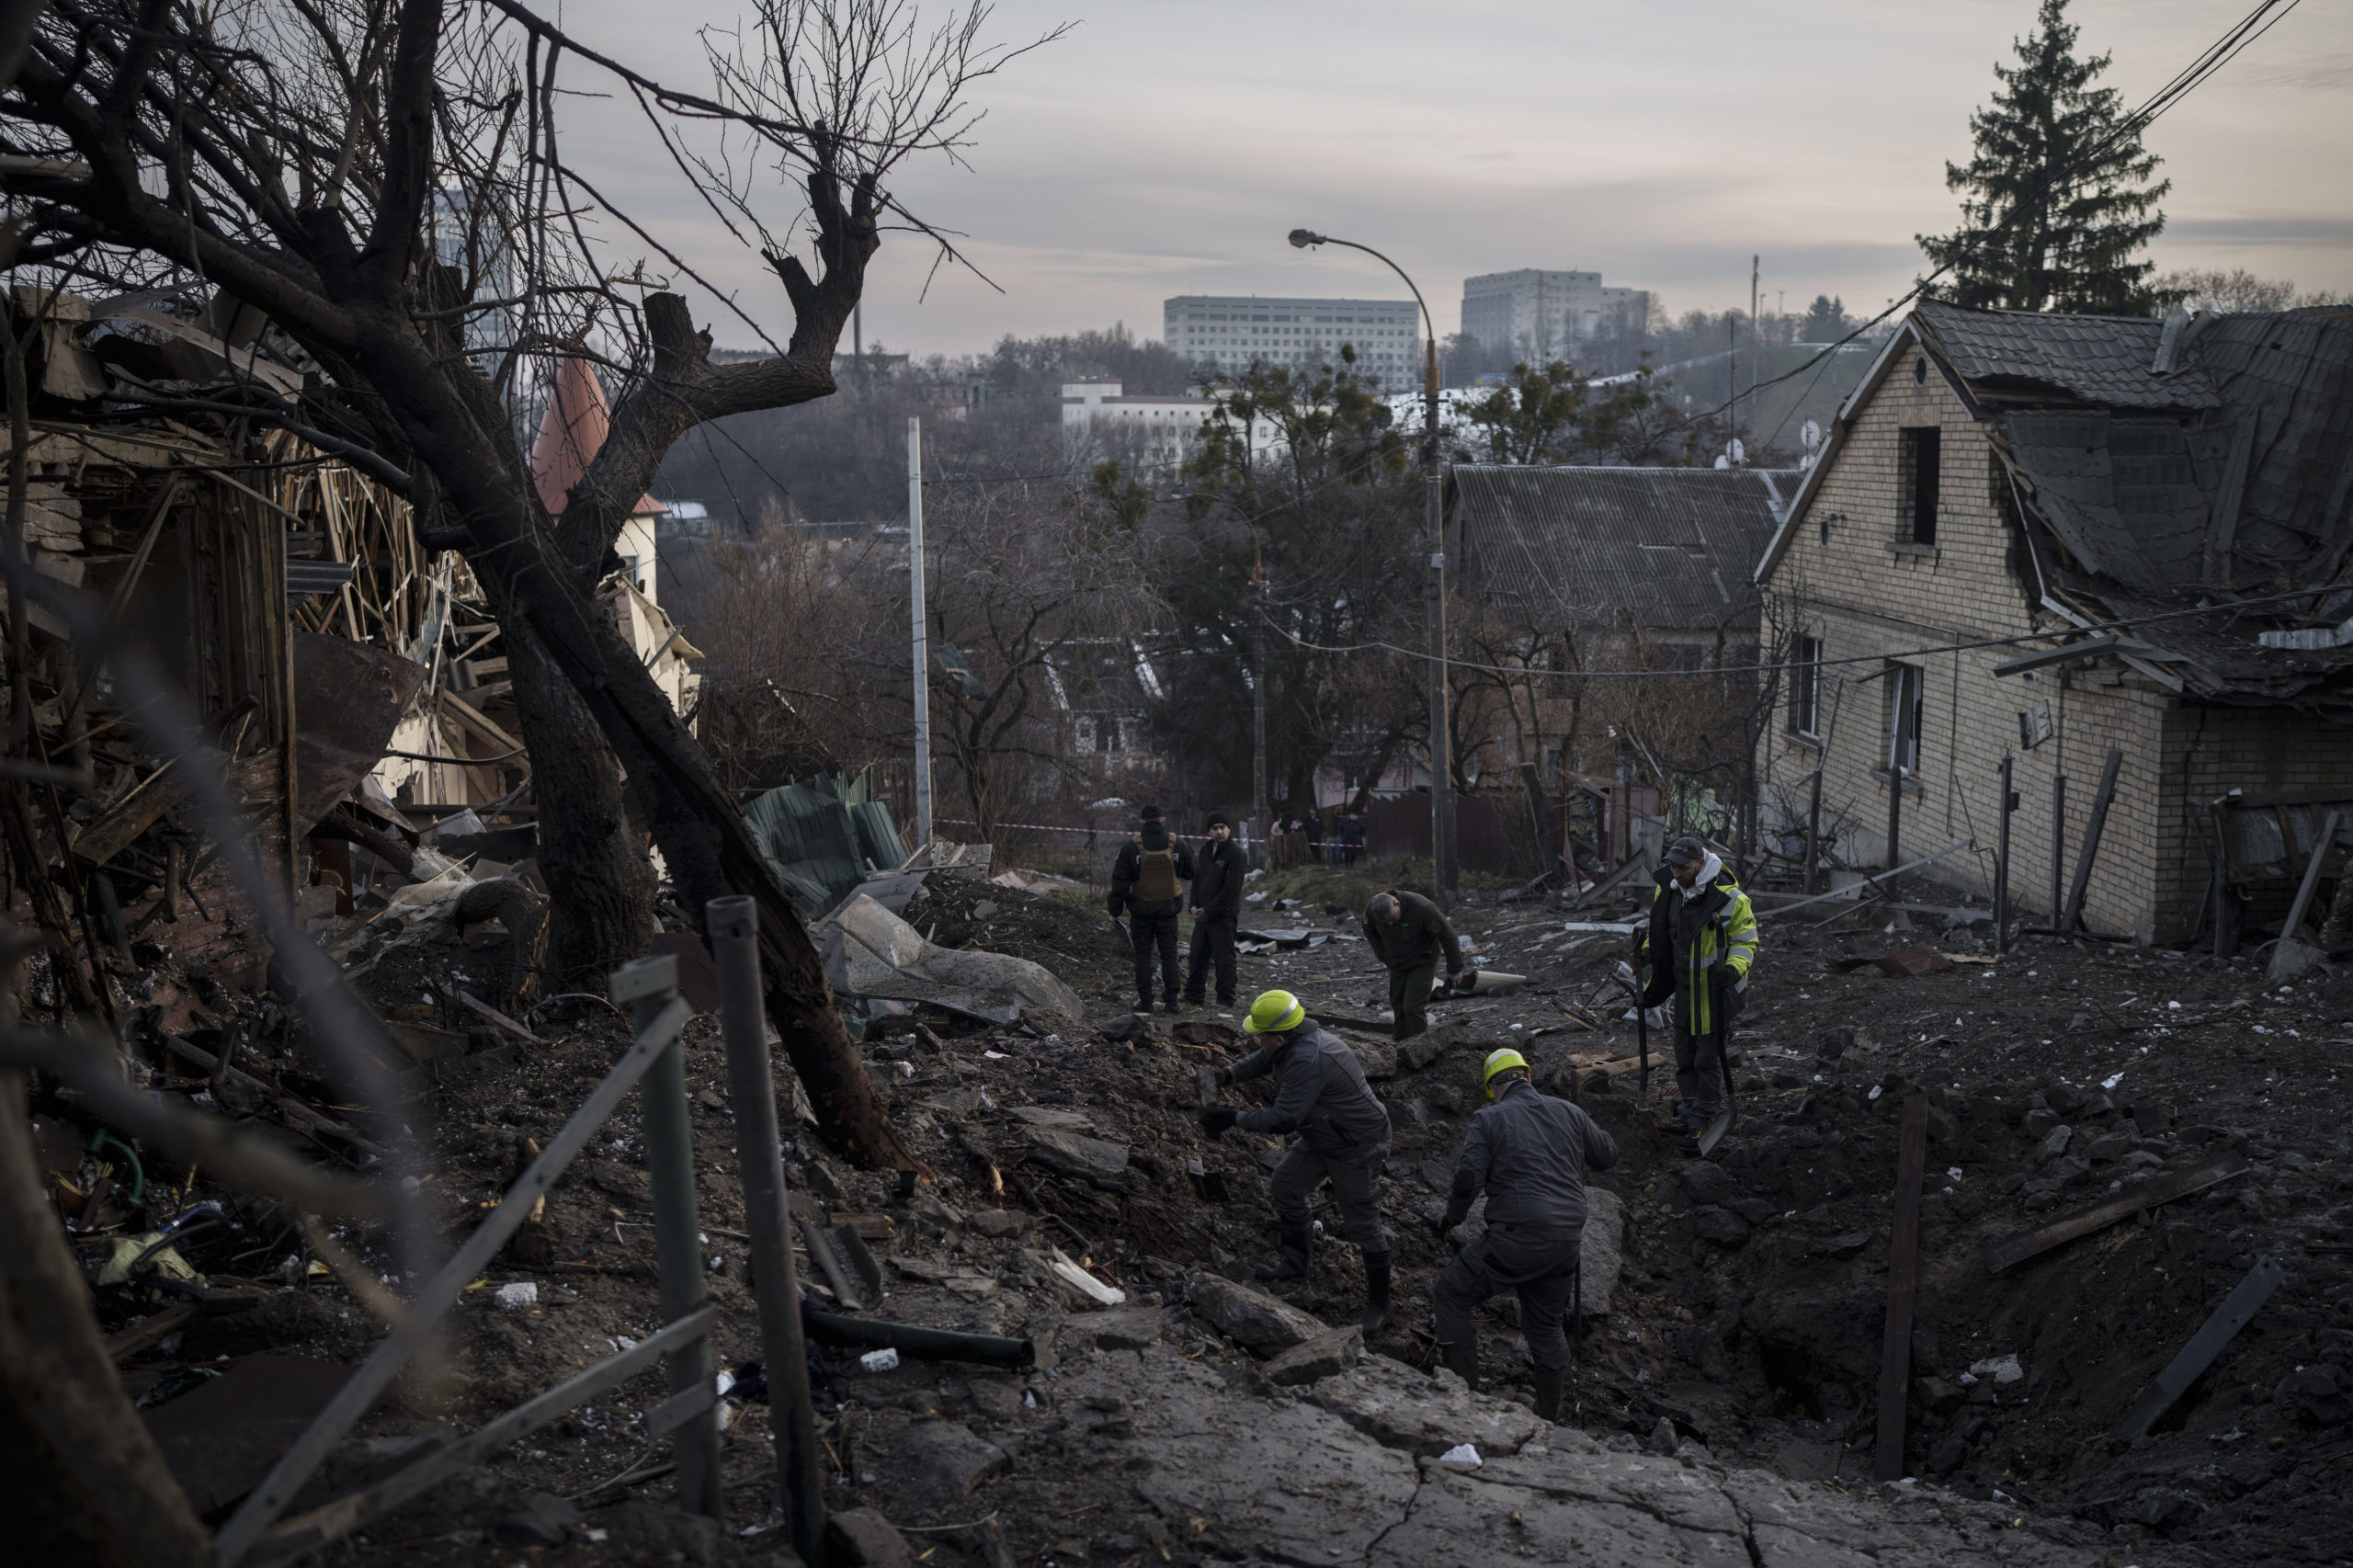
(1442, 857)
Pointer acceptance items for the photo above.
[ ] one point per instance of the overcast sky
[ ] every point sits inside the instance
(1165, 149)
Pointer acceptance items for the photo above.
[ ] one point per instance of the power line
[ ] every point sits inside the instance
(1816, 664)
(2212, 58)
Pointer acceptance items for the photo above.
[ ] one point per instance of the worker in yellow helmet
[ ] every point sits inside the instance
(1339, 1133)
(1528, 1154)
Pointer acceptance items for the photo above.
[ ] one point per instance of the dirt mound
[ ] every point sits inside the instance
(1083, 947)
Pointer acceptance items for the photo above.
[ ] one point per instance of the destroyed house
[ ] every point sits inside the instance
(2062, 539)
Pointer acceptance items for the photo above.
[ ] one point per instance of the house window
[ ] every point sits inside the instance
(1917, 451)
(1905, 685)
(1805, 686)
(1082, 733)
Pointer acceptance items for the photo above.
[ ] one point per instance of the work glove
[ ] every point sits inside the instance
(1224, 1076)
(1217, 1120)
(1441, 1227)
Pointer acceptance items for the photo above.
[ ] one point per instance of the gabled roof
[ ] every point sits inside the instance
(572, 434)
(2217, 481)
(1665, 547)
(2032, 357)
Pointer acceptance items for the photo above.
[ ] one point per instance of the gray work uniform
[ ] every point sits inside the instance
(1342, 1130)
(1528, 1153)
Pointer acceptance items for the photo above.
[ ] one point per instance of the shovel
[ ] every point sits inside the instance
(1731, 1113)
(1642, 1027)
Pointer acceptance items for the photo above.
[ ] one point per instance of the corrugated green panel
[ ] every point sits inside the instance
(807, 835)
(878, 835)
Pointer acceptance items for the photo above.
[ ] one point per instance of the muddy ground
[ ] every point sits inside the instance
(1743, 1342)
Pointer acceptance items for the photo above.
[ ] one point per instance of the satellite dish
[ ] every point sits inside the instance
(1810, 434)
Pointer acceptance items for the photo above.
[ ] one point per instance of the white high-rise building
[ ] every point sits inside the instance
(1230, 332)
(1545, 314)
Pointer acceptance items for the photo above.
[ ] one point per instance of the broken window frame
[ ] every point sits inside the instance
(1805, 686)
(1907, 702)
(1919, 456)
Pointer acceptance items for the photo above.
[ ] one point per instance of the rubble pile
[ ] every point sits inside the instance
(1721, 1400)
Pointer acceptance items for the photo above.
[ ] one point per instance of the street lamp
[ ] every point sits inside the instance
(1442, 866)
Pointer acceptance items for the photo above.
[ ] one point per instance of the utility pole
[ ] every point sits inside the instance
(1756, 337)
(916, 618)
(1442, 856)
(1258, 811)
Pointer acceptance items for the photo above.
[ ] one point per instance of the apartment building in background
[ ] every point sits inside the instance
(1231, 331)
(1163, 431)
(1544, 315)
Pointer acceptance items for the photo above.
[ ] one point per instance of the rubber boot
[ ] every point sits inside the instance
(1376, 1293)
(1463, 1360)
(1294, 1243)
(1548, 1392)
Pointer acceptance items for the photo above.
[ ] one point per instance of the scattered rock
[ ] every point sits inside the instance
(1662, 1439)
(2115, 1146)
(2041, 1120)
(1000, 1223)
(1126, 1328)
(1430, 1044)
(1334, 1351)
(543, 1520)
(1843, 1245)
(1707, 1182)
(1600, 1255)
(1399, 1408)
(1835, 1043)
(1264, 1323)
(1720, 1226)
(1088, 1159)
(935, 1464)
(2314, 1393)
(2054, 1144)
(862, 1536)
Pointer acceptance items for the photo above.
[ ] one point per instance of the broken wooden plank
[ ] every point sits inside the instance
(2101, 801)
(148, 1331)
(476, 1005)
(2098, 1216)
(1903, 1261)
(128, 817)
(2237, 1309)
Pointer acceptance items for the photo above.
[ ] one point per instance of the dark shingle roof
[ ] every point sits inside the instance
(2093, 360)
(1667, 548)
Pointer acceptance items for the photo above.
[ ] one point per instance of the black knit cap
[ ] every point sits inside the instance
(1217, 818)
(1149, 814)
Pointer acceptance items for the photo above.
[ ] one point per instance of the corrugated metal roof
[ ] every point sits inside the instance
(1668, 548)
(2095, 360)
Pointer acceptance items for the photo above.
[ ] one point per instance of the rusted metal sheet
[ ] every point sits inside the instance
(2098, 1216)
(348, 699)
(1903, 1276)
(2237, 1310)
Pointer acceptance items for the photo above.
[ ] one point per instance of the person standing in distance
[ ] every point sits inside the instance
(1528, 1154)
(1147, 884)
(1409, 933)
(1699, 943)
(1339, 1133)
(1217, 910)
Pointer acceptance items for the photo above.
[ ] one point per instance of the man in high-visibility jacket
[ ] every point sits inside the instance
(1700, 944)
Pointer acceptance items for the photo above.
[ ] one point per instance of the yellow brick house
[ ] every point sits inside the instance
(2049, 538)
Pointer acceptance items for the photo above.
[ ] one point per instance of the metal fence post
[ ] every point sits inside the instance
(2002, 862)
(735, 929)
(648, 985)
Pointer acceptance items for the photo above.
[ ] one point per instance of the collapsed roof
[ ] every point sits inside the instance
(2196, 468)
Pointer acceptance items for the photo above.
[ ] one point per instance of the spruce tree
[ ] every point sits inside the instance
(2056, 200)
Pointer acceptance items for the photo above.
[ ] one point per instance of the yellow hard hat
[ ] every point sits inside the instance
(1501, 1060)
(1273, 1013)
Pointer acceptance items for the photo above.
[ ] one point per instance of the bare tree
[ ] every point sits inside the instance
(304, 156)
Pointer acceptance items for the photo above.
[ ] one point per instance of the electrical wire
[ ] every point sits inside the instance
(2210, 59)
(1812, 664)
